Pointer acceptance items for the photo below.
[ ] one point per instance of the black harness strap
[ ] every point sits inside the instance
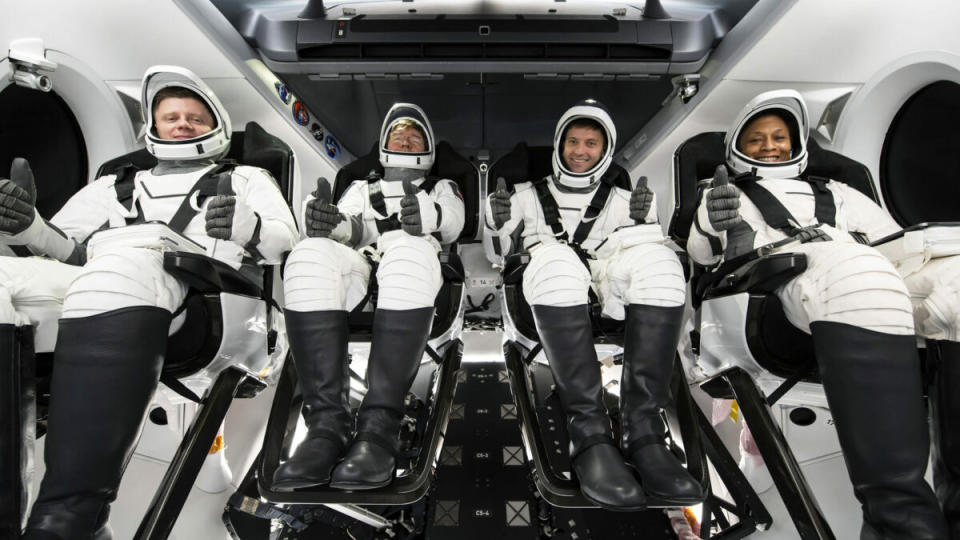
(124, 185)
(596, 205)
(205, 187)
(379, 203)
(376, 197)
(776, 214)
(551, 211)
(825, 208)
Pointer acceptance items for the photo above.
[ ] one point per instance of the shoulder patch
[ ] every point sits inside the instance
(453, 186)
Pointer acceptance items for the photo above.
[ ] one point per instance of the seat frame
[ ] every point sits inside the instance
(209, 279)
(733, 360)
(521, 347)
(444, 347)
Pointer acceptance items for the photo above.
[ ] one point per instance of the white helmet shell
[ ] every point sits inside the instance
(408, 160)
(789, 105)
(587, 109)
(211, 145)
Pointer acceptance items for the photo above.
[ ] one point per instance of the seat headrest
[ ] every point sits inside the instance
(697, 159)
(261, 149)
(525, 163)
(448, 163)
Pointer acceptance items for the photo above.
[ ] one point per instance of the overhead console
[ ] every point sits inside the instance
(607, 42)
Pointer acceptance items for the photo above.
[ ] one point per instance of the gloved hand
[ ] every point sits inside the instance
(723, 201)
(229, 218)
(640, 200)
(811, 233)
(17, 198)
(322, 217)
(500, 204)
(418, 213)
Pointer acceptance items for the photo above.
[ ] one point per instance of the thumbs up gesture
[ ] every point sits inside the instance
(500, 204)
(723, 201)
(322, 216)
(17, 198)
(640, 200)
(229, 218)
(410, 219)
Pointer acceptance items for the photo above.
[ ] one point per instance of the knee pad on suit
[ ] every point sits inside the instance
(555, 277)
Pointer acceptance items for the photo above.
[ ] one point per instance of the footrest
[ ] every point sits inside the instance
(404, 490)
(564, 492)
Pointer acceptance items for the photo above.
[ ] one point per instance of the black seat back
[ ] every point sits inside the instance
(446, 164)
(193, 346)
(697, 159)
(776, 344)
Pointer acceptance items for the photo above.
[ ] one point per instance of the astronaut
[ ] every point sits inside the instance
(119, 307)
(851, 300)
(394, 227)
(582, 231)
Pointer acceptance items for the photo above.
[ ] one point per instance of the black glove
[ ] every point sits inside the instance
(228, 218)
(17, 198)
(640, 200)
(410, 219)
(322, 217)
(723, 201)
(500, 204)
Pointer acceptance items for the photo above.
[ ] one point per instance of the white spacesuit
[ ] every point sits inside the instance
(397, 225)
(582, 231)
(851, 299)
(119, 306)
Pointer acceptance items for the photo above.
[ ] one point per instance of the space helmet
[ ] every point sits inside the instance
(398, 114)
(790, 107)
(211, 145)
(589, 109)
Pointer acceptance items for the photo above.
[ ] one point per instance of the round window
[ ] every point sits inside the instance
(40, 127)
(920, 161)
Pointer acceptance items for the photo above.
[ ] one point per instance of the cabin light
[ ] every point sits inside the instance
(27, 59)
(29, 78)
(686, 86)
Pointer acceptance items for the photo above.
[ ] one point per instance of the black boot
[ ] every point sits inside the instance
(18, 420)
(873, 386)
(649, 350)
(567, 339)
(319, 343)
(945, 406)
(399, 338)
(105, 371)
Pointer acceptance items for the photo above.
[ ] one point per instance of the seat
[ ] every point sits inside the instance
(538, 407)
(421, 446)
(746, 348)
(216, 355)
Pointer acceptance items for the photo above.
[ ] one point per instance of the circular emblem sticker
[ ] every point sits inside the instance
(300, 113)
(332, 146)
(316, 131)
(282, 92)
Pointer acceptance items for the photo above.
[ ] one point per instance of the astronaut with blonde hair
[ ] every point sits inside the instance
(392, 227)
